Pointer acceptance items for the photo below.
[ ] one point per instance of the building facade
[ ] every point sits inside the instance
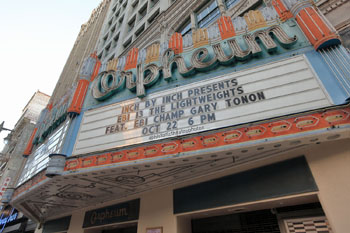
(83, 46)
(197, 117)
(12, 162)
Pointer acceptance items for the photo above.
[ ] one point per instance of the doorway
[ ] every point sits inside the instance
(130, 229)
(263, 221)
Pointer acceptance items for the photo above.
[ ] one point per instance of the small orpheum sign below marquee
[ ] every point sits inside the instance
(122, 212)
(276, 89)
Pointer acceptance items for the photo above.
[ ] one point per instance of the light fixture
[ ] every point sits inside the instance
(8, 138)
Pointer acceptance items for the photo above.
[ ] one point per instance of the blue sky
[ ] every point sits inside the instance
(36, 37)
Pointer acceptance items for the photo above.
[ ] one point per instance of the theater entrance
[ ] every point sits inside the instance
(129, 229)
(262, 221)
(288, 219)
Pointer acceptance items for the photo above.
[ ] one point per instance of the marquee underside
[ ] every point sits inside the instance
(96, 183)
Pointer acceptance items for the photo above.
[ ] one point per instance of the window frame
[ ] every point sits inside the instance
(204, 18)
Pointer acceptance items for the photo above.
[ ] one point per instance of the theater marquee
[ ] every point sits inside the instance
(279, 88)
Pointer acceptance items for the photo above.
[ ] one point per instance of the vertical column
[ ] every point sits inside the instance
(222, 7)
(312, 22)
(255, 20)
(329, 164)
(96, 67)
(176, 43)
(193, 21)
(156, 210)
(79, 96)
(316, 29)
(76, 222)
(282, 11)
(38, 230)
(29, 147)
(152, 53)
(131, 60)
(184, 225)
(200, 37)
(88, 72)
(226, 27)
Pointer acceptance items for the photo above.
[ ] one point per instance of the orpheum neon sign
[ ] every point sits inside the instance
(10, 218)
(111, 82)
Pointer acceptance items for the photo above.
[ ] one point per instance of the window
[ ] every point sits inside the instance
(110, 22)
(208, 14)
(134, 4)
(186, 28)
(115, 40)
(113, 29)
(111, 58)
(108, 48)
(131, 23)
(142, 12)
(231, 3)
(114, 8)
(153, 3)
(153, 17)
(117, 14)
(140, 30)
(121, 19)
(127, 43)
(105, 39)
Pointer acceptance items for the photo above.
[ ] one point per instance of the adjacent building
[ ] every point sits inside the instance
(15, 165)
(12, 162)
(48, 135)
(193, 117)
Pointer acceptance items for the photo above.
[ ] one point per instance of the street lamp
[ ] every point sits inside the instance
(8, 137)
(3, 128)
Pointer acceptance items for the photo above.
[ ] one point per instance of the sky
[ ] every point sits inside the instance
(36, 38)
